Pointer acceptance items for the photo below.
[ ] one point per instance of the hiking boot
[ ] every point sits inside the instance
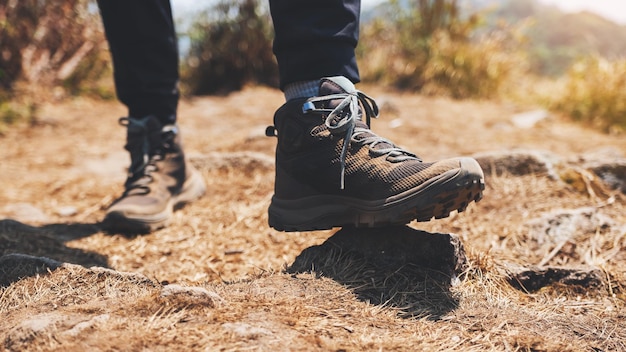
(333, 171)
(159, 181)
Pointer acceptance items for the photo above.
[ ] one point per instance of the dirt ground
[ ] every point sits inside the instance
(545, 266)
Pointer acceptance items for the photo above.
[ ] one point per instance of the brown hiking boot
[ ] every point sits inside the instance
(159, 178)
(332, 170)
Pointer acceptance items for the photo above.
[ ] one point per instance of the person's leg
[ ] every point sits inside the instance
(143, 46)
(315, 39)
(331, 169)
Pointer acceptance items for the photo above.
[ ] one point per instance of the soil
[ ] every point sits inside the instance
(218, 278)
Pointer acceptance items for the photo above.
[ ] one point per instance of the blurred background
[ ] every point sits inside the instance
(564, 56)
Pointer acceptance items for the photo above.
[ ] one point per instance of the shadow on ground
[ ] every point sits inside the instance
(27, 250)
(401, 267)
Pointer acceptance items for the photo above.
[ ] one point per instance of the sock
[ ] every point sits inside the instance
(302, 89)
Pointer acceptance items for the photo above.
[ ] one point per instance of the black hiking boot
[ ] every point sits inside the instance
(159, 181)
(333, 171)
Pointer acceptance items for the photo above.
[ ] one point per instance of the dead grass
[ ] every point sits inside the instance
(249, 293)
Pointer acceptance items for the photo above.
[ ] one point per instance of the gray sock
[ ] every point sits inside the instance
(302, 89)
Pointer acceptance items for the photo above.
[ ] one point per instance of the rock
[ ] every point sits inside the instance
(517, 163)
(529, 119)
(594, 172)
(84, 325)
(247, 331)
(67, 211)
(395, 123)
(608, 164)
(396, 265)
(561, 225)
(111, 166)
(48, 241)
(18, 338)
(389, 247)
(244, 161)
(563, 235)
(613, 174)
(584, 181)
(25, 212)
(16, 266)
(190, 296)
(134, 277)
(535, 278)
(388, 106)
(603, 153)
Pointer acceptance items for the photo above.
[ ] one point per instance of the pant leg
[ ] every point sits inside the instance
(315, 38)
(144, 48)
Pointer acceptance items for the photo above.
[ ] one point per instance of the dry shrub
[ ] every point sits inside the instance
(472, 69)
(429, 47)
(45, 43)
(396, 47)
(231, 46)
(594, 92)
(14, 111)
(48, 49)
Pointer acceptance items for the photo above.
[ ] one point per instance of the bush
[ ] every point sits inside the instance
(15, 111)
(428, 47)
(231, 46)
(46, 48)
(50, 43)
(473, 69)
(396, 47)
(594, 91)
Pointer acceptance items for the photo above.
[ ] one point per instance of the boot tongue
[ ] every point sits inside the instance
(142, 139)
(146, 126)
(339, 85)
(335, 85)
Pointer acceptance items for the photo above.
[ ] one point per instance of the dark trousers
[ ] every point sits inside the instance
(313, 39)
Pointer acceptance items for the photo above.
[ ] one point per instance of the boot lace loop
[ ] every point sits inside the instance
(343, 118)
(145, 152)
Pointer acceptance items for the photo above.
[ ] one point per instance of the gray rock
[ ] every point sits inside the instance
(66, 211)
(396, 265)
(529, 119)
(535, 278)
(16, 266)
(25, 212)
(84, 325)
(190, 295)
(561, 225)
(518, 162)
(245, 161)
(246, 330)
(612, 173)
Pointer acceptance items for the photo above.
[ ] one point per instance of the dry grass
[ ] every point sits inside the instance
(258, 289)
(593, 92)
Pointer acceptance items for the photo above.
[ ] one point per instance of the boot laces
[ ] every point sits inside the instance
(343, 118)
(146, 147)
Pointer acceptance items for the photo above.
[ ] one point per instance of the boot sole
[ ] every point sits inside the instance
(437, 198)
(193, 188)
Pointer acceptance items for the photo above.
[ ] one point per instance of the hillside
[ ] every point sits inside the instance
(554, 39)
(537, 265)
